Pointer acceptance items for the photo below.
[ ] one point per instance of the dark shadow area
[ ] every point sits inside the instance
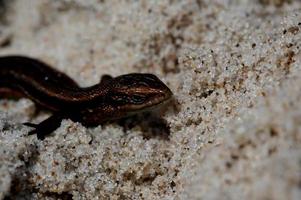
(151, 125)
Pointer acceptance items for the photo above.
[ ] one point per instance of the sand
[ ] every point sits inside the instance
(233, 130)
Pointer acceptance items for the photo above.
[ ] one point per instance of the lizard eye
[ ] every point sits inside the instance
(137, 99)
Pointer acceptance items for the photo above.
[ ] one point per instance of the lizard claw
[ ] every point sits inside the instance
(30, 125)
(38, 129)
(46, 127)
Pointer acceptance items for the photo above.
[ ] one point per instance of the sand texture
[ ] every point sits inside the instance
(233, 130)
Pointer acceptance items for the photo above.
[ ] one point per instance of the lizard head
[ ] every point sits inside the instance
(137, 92)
